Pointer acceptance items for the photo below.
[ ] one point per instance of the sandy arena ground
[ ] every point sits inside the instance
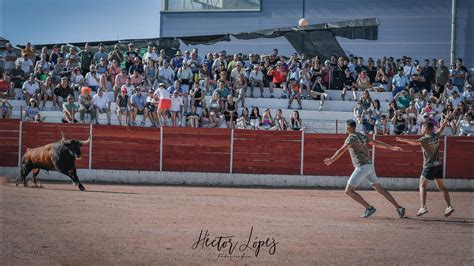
(116, 224)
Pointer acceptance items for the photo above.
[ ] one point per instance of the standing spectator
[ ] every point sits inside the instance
(53, 57)
(116, 55)
(17, 76)
(441, 78)
(92, 78)
(164, 103)
(123, 106)
(137, 102)
(101, 105)
(26, 64)
(338, 74)
(176, 108)
(101, 54)
(458, 76)
(28, 52)
(69, 110)
(230, 111)
(240, 87)
(417, 80)
(31, 89)
(9, 55)
(185, 77)
(399, 82)
(428, 73)
(256, 79)
(86, 105)
(47, 90)
(86, 58)
(130, 55)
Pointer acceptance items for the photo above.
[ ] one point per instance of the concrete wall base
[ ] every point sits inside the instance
(237, 180)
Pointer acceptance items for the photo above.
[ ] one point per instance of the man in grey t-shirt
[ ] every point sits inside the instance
(432, 166)
(357, 143)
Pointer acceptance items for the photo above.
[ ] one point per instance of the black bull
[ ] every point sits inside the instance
(58, 156)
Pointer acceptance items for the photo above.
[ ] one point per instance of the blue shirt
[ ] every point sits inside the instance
(400, 82)
(138, 101)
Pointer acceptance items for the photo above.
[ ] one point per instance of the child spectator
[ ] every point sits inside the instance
(255, 118)
(382, 126)
(151, 108)
(295, 121)
(6, 108)
(294, 91)
(123, 106)
(192, 117)
(206, 119)
(176, 109)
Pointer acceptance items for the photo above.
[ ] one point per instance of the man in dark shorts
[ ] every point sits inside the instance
(432, 166)
(357, 143)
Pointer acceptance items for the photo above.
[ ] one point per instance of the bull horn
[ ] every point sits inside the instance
(62, 136)
(86, 142)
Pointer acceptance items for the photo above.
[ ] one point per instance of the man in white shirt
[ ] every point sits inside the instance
(9, 55)
(166, 73)
(102, 105)
(151, 54)
(26, 64)
(92, 78)
(468, 95)
(31, 89)
(237, 71)
(256, 78)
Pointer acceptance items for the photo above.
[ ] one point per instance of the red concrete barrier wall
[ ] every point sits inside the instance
(9, 136)
(196, 149)
(267, 152)
(125, 148)
(317, 147)
(38, 134)
(460, 157)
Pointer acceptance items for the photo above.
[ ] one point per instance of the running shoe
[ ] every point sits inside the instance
(448, 211)
(368, 212)
(401, 212)
(422, 211)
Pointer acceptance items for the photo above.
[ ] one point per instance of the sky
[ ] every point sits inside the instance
(51, 21)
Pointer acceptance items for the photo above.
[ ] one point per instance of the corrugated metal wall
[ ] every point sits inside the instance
(417, 28)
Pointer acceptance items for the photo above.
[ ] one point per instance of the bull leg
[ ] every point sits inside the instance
(76, 178)
(25, 170)
(35, 174)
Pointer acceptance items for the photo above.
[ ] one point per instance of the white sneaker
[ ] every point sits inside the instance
(422, 211)
(448, 211)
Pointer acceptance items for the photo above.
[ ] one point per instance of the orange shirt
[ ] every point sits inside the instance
(279, 76)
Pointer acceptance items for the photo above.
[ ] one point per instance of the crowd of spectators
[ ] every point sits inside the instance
(161, 87)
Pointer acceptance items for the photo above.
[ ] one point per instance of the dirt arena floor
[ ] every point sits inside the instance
(123, 225)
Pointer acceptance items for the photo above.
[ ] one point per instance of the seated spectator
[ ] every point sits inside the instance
(359, 112)
(256, 79)
(165, 102)
(166, 73)
(318, 91)
(177, 105)
(6, 110)
(400, 124)
(278, 74)
(32, 111)
(380, 81)
(255, 118)
(26, 64)
(222, 92)
(280, 121)
(266, 122)
(205, 119)
(214, 109)
(366, 99)
(101, 54)
(411, 111)
(305, 76)
(295, 121)
(102, 67)
(230, 111)
(368, 122)
(204, 79)
(17, 76)
(243, 122)
(382, 125)
(237, 72)
(137, 79)
(294, 92)
(399, 82)
(69, 110)
(422, 100)
(413, 126)
(31, 89)
(193, 117)
(92, 79)
(197, 96)
(86, 105)
(376, 109)
(240, 88)
(363, 81)
(468, 95)
(114, 70)
(105, 82)
(7, 86)
(349, 84)
(455, 99)
(466, 125)
(402, 99)
(116, 55)
(151, 74)
(101, 105)
(458, 76)
(129, 88)
(137, 66)
(47, 92)
(450, 115)
(62, 91)
(123, 106)
(120, 80)
(137, 102)
(151, 108)
(185, 77)
(417, 80)
(77, 79)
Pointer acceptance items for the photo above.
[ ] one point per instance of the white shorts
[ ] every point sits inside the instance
(361, 172)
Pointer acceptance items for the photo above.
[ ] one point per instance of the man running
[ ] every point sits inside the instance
(432, 166)
(356, 143)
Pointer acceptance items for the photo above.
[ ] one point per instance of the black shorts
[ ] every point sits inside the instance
(432, 173)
